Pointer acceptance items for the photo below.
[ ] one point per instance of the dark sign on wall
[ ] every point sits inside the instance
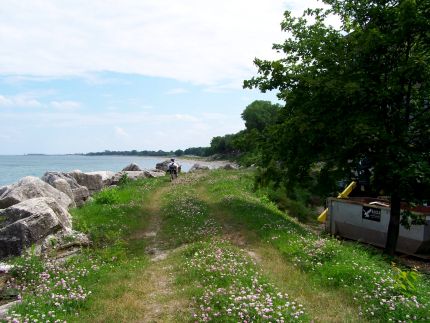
(370, 213)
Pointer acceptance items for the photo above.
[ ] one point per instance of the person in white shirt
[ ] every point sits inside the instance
(173, 167)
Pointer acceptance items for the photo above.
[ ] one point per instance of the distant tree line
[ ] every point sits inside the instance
(132, 153)
(195, 151)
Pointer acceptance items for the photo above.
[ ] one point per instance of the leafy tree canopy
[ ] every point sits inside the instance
(260, 114)
(358, 92)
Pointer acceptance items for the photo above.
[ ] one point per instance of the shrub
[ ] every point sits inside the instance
(124, 180)
(296, 207)
(107, 196)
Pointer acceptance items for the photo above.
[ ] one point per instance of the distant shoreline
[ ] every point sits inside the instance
(15, 167)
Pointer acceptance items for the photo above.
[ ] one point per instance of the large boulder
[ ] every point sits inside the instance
(230, 167)
(94, 182)
(107, 176)
(132, 167)
(29, 222)
(63, 243)
(154, 173)
(67, 184)
(134, 175)
(31, 187)
(198, 167)
(130, 175)
(164, 166)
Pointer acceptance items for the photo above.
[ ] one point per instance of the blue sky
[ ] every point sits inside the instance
(81, 76)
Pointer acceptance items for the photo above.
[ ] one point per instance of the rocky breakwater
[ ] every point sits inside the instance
(164, 166)
(33, 212)
(133, 172)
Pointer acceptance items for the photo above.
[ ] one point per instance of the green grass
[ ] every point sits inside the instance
(365, 275)
(185, 218)
(115, 212)
(228, 286)
(218, 221)
(53, 291)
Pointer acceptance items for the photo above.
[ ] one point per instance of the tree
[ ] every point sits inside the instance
(260, 114)
(358, 92)
(223, 145)
(197, 151)
(179, 152)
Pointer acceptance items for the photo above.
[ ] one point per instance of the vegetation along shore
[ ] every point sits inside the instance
(209, 247)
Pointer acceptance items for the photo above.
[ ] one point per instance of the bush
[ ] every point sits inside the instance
(107, 196)
(124, 180)
(296, 206)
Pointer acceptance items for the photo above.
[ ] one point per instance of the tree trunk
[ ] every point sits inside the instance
(394, 226)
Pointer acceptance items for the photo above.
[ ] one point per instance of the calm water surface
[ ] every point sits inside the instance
(12, 168)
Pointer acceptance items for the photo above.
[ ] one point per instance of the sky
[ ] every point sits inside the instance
(81, 76)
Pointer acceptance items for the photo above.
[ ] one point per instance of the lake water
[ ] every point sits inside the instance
(12, 168)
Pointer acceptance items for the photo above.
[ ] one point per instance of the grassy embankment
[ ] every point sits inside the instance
(219, 252)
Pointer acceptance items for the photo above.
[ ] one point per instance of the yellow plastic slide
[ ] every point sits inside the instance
(323, 216)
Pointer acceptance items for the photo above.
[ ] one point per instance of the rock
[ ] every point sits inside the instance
(4, 309)
(154, 173)
(4, 277)
(164, 166)
(131, 175)
(132, 167)
(94, 182)
(134, 175)
(63, 186)
(35, 207)
(3, 189)
(198, 167)
(67, 184)
(5, 268)
(107, 176)
(31, 187)
(29, 222)
(117, 178)
(230, 167)
(64, 241)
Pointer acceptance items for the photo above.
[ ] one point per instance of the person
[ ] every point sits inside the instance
(173, 168)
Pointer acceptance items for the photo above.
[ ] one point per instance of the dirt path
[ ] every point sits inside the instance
(150, 229)
(161, 301)
(149, 295)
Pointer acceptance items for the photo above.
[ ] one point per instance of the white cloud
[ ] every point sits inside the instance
(21, 101)
(65, 105)
(177, 91)
(33, 100)
(120, 132)
(204, 42)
